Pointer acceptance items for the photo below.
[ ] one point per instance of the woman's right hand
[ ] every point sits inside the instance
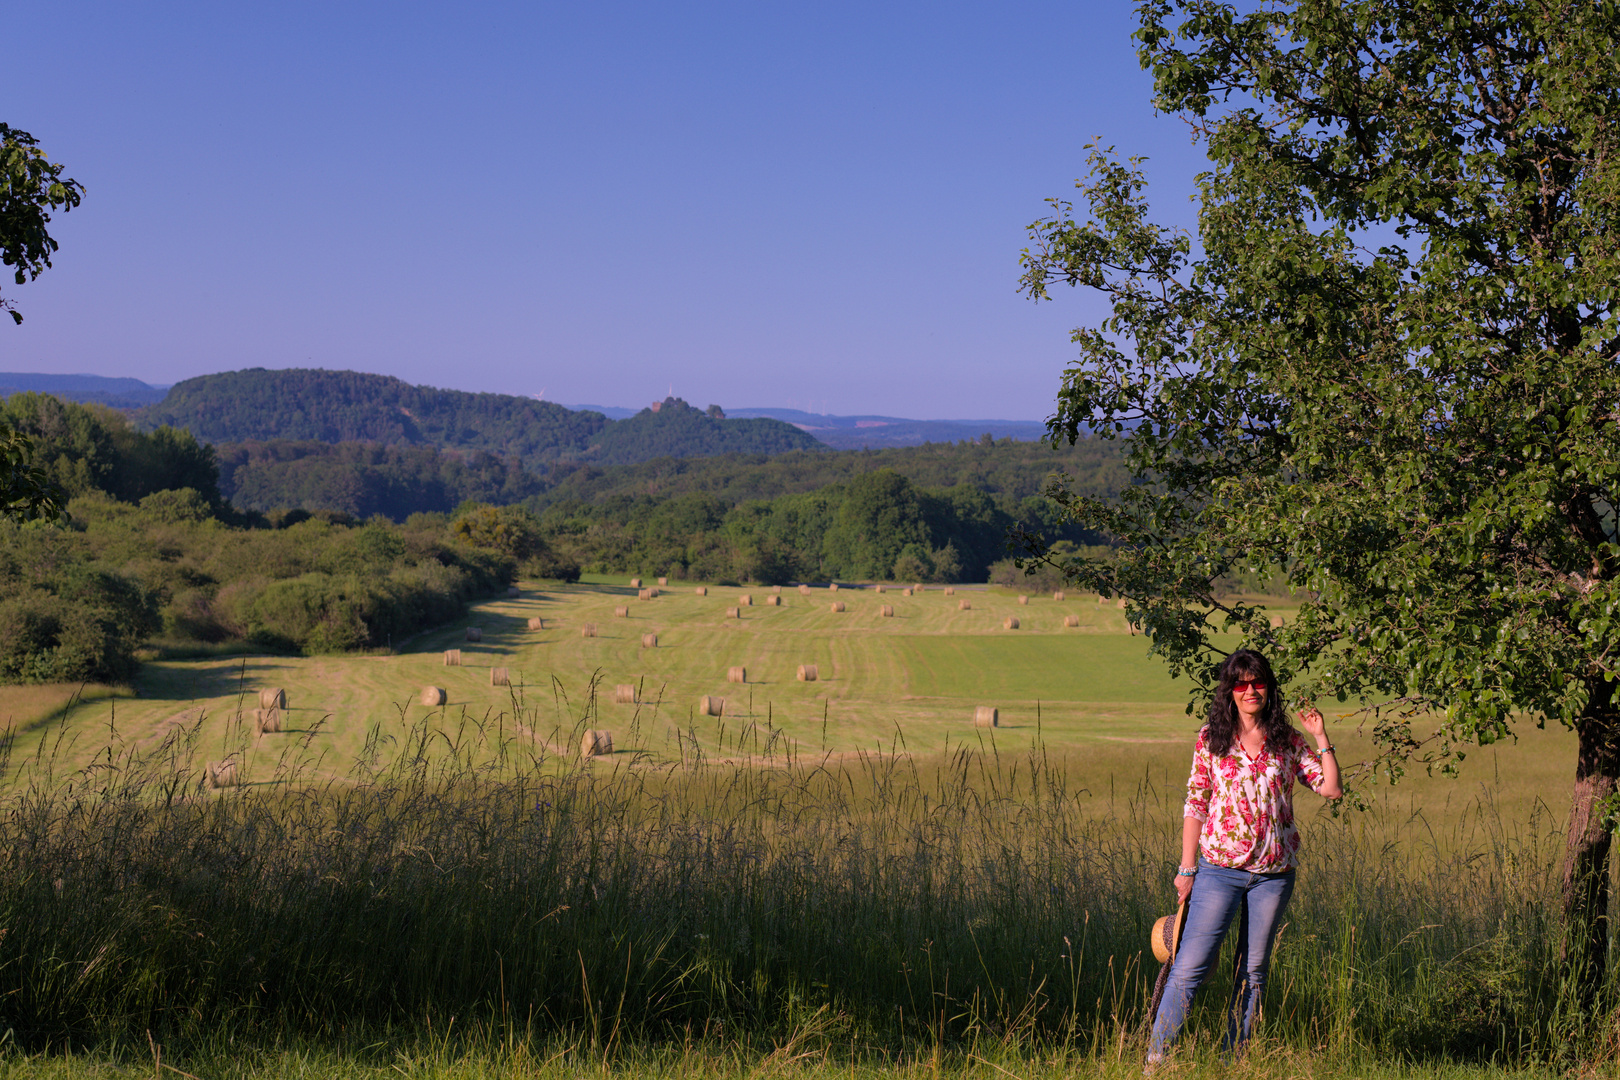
(1183, 888)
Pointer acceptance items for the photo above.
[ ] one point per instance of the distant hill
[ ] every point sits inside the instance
(672, 428)
(873, 432)
(304, 405)
(116, 393)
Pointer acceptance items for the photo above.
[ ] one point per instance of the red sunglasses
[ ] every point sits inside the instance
(1245, 687)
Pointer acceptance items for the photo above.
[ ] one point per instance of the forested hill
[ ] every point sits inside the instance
(306, 405)
(350, 406)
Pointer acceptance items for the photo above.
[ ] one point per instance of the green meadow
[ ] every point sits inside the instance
(840, 876)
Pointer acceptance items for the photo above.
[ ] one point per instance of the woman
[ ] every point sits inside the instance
(1239, 846)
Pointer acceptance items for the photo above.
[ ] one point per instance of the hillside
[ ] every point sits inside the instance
(878, 432)
(306, 405)
(99, 389)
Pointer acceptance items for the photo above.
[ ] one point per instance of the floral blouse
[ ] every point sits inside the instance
(1247, 804)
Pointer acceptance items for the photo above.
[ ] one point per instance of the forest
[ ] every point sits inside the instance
(173, 547)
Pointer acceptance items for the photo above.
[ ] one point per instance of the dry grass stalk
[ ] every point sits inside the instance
(702, 590)
(887, 611)
(499, 676)
(838, 605)
(434, 696)
(1071, 620)
(536, 623)
(964, 605)
(475, 633)
(1010, 623)
(266, 721)
(621, 612)
(808, 673)
(273, 699)
(624, 694)
(595, 743)
(588, 630)
(711, 706)
(649, 641)
(222, 774)
(452, 658)
(737, 674)
(986, 716)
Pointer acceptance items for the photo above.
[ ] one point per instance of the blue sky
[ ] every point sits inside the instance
(758, 204)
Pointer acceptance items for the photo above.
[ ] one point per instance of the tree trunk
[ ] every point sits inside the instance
(1586, 852)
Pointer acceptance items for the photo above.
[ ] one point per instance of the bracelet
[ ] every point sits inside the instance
(1186, 871)
(1328, 749)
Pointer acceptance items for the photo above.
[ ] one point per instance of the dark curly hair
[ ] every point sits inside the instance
(1222, 732)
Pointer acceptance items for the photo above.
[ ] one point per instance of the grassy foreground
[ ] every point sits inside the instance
(810, 887)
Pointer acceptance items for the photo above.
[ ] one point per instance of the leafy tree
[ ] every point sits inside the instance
(1387, 369)
(31, 186)
(26, 492)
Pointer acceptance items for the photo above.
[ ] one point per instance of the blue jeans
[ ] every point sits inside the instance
(1218, 893)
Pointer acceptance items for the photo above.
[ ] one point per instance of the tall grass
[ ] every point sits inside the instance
(469, 875)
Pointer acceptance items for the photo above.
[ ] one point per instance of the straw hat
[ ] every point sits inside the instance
(1167, 934)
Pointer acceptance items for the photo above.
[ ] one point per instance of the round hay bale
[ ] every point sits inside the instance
(887, 611)
(833, 587)
(499, 676)
(733, 613)
(702, 590)
(649, 641)
(804, 590)
(663, 581)
(644, 594)
(1058, 595)
(711, 706)
(986, 716)
(1010, 623)
(1024, 600)
(222, 774)
(652, 594)
(1071, 620)
(452, 658)
(905, 592)
(917, 590)
(737, 674)
(838, 605)
(808, 673)
(273, 699)
(635, 583)
(1121, 604)
(266, 721)
(624, 694)
(588, 630)
(879, 588)
(621, 612)
(776, 590)
(745, 600)
(513, 592)
(434, 696)
(536, 623)
(950, 590)
(475, 633)
(964, 605)
(773, 601)
(596, 744)
(1276, 620)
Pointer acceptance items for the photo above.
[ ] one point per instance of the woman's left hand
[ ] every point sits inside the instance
(1311, 720)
